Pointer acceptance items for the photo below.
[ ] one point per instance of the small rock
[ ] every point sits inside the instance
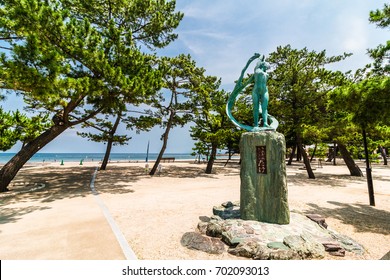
(246, 249)
(318, 219)
(305, 246)
(232, 239)
(338, 253)
(204, 218)
(329, 247)
(227, 204)
(277, 245)
(227, 213)
(214, 230)
(347, 243)
(265, 253)
(216, 218)
(202, 227)
(196, 241)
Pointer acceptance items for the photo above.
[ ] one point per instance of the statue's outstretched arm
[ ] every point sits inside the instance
(256, 55)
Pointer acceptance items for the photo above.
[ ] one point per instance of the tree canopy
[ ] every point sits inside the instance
(174, 105)
(298, 86)
(381, 54)
(74, 59)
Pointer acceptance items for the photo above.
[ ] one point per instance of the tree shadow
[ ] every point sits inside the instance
(383, 176)
(11, 215)
(116, 179)
(322, 179)
(187, 172)
(362, 217)
(61, 183)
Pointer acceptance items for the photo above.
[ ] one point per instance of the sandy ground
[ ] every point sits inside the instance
(61, 221)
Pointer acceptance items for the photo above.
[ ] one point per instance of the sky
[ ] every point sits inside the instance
(221, 35)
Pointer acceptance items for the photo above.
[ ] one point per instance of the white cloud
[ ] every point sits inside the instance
(352, 32)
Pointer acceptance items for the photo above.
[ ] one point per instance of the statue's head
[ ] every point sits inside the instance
(262, 64)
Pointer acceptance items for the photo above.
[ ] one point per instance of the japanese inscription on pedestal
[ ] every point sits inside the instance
(261, 159)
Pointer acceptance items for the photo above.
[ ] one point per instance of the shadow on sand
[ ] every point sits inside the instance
(72, 182)
(362, 217)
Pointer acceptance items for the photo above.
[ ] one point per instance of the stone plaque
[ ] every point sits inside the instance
(261, 159)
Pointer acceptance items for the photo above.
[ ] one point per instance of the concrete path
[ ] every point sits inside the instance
(58, 222)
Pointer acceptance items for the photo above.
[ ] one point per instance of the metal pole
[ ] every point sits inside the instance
(368, 171)
(147, 152)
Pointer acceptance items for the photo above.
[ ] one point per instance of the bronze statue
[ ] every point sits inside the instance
(259, 96)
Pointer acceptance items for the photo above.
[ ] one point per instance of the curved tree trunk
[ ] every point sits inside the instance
(103, 166)
(12, 167)
(213, 155)
(354, 170)
(306, 160)
(164, 146)
(110, 141)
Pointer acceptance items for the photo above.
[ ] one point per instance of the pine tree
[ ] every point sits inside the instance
(74, 59)
(174, 107)
(298, 86)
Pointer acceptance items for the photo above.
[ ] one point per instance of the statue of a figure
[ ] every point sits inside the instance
(259, 96)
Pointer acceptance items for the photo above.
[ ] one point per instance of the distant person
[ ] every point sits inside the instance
(147, 168)
(159, 169)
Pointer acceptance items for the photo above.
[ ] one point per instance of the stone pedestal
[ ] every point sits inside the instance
(263, 178)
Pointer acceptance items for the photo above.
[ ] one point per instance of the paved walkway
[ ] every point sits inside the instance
(57, 224)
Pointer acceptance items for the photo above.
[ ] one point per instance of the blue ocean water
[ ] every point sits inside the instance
(75, 157)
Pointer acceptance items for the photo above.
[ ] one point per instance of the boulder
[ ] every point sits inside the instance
(257, 251)
(214, 230)
(227, 210)
(246, 249)
(202, 227)
(305, 246)
(265, 253)
(197, 241)
(347, 243)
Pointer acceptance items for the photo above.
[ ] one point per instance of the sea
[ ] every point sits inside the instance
(76, 157)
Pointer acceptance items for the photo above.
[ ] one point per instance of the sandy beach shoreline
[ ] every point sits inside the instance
(154, 212)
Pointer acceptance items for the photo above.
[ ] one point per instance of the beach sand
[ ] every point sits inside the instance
(62, 221)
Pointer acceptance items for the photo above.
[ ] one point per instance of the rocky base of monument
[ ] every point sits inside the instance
(306, 237)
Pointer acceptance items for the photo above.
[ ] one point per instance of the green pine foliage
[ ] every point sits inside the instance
(381, 54)
(74, 59)
(15, 126)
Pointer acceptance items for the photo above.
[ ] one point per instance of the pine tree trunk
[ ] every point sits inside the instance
(370, 183)
(210, 163)
(383, 154)
(110, 142)
(299, 153)
(314, 153)
(164, 146)
(292, 155)
(309, 170)
(106, 155)
(12, 167)
(354, 170)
